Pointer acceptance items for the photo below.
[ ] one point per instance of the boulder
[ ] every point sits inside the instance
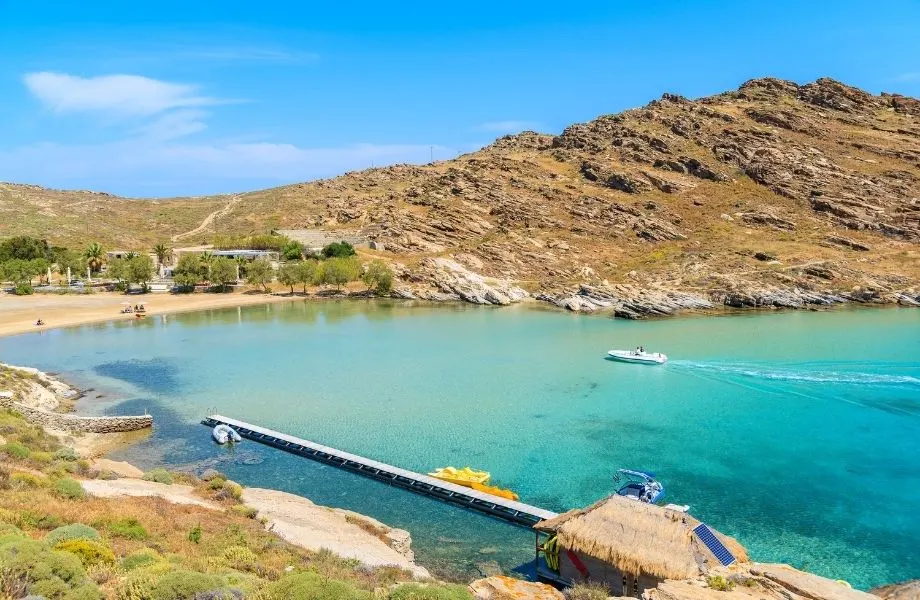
(500, 587)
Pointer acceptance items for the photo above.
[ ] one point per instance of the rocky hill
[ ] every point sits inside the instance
(774, 194)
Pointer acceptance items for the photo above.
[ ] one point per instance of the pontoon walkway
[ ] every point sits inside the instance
(516, 513)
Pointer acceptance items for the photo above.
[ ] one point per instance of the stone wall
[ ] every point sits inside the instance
(75, 423)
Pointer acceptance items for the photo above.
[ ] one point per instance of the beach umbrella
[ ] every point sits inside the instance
(68, 276)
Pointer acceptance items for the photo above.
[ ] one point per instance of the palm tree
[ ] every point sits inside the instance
(94, 256)
(163, 253)
(207, 259)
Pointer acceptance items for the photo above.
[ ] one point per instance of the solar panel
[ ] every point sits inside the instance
(706, 536)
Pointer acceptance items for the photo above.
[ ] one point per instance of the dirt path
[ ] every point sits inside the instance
(221, 212)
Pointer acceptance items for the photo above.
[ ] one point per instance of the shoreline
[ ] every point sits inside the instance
(19, 313)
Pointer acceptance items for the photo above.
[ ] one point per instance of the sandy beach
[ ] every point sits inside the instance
(18, 314)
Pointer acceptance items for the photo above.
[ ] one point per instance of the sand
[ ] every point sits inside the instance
(18, 314)
(175, 493)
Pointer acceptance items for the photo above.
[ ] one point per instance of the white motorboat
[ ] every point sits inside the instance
(224, 433)
(638, 356)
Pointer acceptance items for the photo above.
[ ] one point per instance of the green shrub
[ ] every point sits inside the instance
(68, 488)
(137, 586)
(159, 476)
(141, 558)
(216, 483)
(247, 511)
(23, 289)
(74, 531)
(90, 552)
(232, 490)
(23, 481)
(15, 450)
(31, 567)
(45, 458)
(182, 585)
(415, 591)
(312, 586)
(338, 250)
(240, 558)
(128, 528)
(8, 529)
(717, 582)
(67, 454)
(194, 535)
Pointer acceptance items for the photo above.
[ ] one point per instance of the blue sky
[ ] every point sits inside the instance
(175, 98)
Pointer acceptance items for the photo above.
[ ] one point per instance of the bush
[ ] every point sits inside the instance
(246, 511)
(31, 567)
(23, 289)
(311, 586)
(587, 591)
(717, 582)
(74, 531)
(129, 529)
(194, 535)
(378, 277)
(183, 585)
(8, 529)
(159, 475)
(339, 250)
(216, 483)
(141, 558)
(67, 454)
(232, 489)
(240, 558)
(68, 488)
(90, 552)
(15, 450)
(415, 591)
(23, 481)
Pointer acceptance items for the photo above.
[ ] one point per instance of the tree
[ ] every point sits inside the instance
(378, 277)
(306, 274)
(339, 250)
(206, 259)
(223, 272)
(259, 272)
(94, 256)
(68, 259)
(292, 250)
(187, 272)
(288, 275)
(17, 271)
(163, 253)
(338, 271)
(38, 267)
(23, 247)
(140, 270)
(117, 269)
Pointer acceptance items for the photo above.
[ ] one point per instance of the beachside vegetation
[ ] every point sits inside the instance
(95, 257)
(265, 241)
(336, 272)
(223, 272)
(187, 272)
(259, 272)
(162, 252)
(86, 547)
(338, 250)
(378, 277)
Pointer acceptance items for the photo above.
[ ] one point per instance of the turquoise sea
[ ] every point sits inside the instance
(796, 432)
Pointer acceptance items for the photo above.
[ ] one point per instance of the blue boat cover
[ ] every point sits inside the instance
(706, 536)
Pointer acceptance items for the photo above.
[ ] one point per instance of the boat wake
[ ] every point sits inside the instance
(754, 371)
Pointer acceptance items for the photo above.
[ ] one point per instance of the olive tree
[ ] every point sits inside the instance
(223, 272)
(378, 276)
(338, 271)
(260, 272)
(288, 275)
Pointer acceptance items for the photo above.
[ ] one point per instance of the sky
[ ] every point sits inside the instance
(166, 98)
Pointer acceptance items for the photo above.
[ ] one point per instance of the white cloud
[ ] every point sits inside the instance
(507, 126)
(122, 94)
(175, 124)
(176, 168)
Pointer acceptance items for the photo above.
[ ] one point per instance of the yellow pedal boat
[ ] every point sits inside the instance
(465, 476)
(496, 491)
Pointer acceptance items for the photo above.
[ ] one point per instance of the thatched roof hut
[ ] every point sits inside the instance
(637, 538)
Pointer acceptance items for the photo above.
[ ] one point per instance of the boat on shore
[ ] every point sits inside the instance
(638, 356)
(465, 476)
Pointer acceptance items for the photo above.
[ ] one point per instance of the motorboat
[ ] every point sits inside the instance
(638, 356)
(465, 476)
(224, 433)
(638, 485)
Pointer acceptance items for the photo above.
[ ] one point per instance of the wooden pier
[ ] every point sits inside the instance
(516, 513)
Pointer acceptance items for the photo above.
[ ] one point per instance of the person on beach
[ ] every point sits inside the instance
(39, 323)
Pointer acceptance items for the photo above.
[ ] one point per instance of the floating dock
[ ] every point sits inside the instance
(516, 513)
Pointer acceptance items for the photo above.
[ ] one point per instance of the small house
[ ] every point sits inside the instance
(629, 546)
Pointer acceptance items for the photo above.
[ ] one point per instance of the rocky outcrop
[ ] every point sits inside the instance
(500, 587)
(458, 282)
(908, 590)
(626, 301)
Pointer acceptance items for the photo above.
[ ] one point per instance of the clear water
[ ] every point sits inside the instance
(798, 432)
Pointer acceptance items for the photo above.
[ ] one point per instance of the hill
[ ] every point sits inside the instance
(776, 193)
